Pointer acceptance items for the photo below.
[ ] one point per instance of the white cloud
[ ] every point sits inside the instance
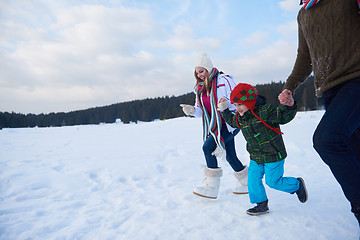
(72, 57)
(181, 10)
(288, 28)
(183, 38)
(257, 38)
(289, 5)
(272, 63)
(89, 46)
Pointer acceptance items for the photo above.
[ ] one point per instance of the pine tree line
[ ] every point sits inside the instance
(304, 94)
(139, 110)
(145, 110)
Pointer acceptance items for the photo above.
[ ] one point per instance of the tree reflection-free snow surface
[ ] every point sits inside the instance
(135, 181)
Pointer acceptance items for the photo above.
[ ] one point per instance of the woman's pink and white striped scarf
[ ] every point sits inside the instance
(309, 3)
(212, 119)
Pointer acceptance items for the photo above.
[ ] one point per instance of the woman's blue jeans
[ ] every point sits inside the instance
(337, 138)
(210, 146)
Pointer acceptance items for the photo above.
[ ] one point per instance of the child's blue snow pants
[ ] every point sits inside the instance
(273, 177)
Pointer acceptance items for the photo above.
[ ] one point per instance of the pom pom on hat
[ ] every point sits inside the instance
(245, 94)
(204, 61)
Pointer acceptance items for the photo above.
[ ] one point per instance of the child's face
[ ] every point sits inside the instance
(241, 108)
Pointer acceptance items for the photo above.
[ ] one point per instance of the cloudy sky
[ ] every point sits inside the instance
(60, 56)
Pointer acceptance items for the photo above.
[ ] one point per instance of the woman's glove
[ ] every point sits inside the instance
(189, 110)
(222, 104)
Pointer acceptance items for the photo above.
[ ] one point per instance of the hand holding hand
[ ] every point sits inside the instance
(285, 98)
(189, 110)
(222, 104)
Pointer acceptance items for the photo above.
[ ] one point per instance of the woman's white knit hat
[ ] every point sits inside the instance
(205, 62)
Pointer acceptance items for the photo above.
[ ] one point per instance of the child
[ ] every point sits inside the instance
(259, 123)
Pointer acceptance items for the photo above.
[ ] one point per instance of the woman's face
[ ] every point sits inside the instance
(201, 73)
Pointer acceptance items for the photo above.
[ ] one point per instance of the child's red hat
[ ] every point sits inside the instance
(245, 94)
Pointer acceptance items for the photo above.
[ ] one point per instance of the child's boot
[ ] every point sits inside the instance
(302, 191)
(242, 177)
(260, 208)
(211, 183)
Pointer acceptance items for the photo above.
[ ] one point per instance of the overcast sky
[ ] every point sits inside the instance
(65, 55)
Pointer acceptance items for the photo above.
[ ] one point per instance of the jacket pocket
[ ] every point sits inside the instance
(268, 147)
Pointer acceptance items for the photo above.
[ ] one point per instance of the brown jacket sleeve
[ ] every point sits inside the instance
(302, 68)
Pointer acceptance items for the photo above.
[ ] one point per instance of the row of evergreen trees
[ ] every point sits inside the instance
(145, 110)
(140, 110)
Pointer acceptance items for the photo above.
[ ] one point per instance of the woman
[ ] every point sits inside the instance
(218, 136)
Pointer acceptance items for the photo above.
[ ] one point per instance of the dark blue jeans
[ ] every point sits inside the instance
(337, 138)
(210, 146)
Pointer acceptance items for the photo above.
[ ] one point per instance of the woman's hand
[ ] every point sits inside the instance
(189, 110)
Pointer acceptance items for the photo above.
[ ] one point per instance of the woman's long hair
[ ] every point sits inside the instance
(206, 83)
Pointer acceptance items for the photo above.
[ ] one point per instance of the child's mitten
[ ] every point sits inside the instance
(222, 104)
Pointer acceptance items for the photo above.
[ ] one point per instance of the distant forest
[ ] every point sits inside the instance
(147, 110)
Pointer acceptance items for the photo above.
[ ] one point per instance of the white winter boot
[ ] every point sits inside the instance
(211, 183)
(242, 177)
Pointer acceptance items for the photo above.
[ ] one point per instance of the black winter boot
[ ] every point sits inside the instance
(260, 208)
(302, 192)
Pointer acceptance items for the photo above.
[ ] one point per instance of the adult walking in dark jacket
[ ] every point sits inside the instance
(329, 46)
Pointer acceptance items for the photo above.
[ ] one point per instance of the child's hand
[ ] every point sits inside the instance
(222, 100)
(285, 98)
(222, 104)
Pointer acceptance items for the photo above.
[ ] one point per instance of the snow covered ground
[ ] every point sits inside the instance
(135, 181)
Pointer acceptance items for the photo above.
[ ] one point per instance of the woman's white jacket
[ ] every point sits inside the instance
(225, 84)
